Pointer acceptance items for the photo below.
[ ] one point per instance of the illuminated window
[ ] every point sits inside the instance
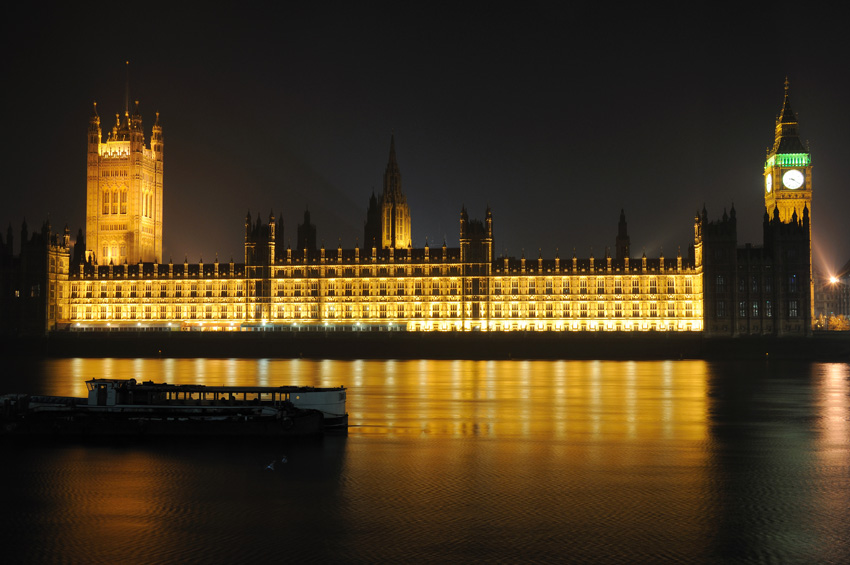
(600, 286)
(671, 286)
(755, 309)
(123, 203)
(653, 286)
(549, 310)
(618, 310)
(583, 286)
(689, 310)
(583, 310)
(618, 286)
(514, 286)
(768, 309)
(114, 201)
(742, 309)
(549, 286)
(105, 202)
(532, 286)
(792, 307)
(497, 287)
(688, 286)
(653, 310)
(635, 286)
(720, 283)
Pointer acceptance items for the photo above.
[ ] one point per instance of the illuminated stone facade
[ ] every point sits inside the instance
(422, 289)
(388, 285)
(124, 191)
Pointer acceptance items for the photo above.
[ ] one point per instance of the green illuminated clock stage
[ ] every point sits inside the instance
(793, 179)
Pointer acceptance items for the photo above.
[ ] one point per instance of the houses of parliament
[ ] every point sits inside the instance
(114, 279)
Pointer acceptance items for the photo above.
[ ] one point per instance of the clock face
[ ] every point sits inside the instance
(768, 182)
(793, 179)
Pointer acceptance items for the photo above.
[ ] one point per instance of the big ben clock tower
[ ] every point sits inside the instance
(788, 169)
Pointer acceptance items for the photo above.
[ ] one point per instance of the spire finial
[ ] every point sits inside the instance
(127, 90)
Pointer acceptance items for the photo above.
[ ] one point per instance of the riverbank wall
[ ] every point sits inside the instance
(833, 346)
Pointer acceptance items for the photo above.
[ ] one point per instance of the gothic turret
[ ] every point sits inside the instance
(623, 241)
(372, 228)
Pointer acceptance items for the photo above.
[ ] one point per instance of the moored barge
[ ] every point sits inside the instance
(119, 407)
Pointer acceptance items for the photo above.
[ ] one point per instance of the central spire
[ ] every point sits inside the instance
(392, 176)
(395, 215)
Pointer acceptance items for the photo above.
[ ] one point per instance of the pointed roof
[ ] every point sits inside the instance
(392, 163)
(787, 115)
(392, 177)
(787, 140)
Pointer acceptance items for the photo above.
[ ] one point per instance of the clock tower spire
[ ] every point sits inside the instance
(788, 168)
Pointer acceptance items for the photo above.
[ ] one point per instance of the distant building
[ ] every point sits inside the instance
(832, 295)
(719, 286)
(34, 283)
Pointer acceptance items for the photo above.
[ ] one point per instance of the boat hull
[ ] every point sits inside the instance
(83, 423)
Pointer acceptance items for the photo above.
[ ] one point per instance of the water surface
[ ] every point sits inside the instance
(541, 461)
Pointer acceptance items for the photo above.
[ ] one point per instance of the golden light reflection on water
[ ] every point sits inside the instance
(594, 400)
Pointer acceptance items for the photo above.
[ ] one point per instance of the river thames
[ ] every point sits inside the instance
(462, 461)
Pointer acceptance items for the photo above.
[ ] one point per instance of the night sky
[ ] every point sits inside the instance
(555, 117)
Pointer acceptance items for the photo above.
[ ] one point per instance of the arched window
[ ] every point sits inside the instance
(105, 201)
